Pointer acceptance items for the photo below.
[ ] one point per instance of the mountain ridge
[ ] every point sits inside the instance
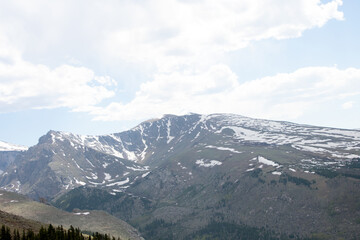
(91, 140)
(132, 153)
(5, 146)
(189, 170)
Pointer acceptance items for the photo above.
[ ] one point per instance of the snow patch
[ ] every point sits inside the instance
(145, 174)
(119, 183)
(79, 182)
(145, 168)
(208, 163)
(107, 176)
(223, 149)
(82, 213)
(265, 161)
(169, 137)
(89, 162)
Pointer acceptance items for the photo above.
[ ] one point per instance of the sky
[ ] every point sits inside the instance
(99, 67)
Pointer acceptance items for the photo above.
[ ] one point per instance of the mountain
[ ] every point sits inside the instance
(22, 208)
(56, 165)
(153, 140)
(8, 153)
(180, 175)
(4, 146)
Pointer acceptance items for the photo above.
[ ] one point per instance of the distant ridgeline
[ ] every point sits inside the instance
(51, 233)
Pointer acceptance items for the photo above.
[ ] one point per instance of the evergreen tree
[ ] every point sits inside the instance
(5, 233)
(51, 233)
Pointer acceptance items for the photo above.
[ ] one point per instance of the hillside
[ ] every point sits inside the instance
(92, 221)
(179, 175)
(19, 223)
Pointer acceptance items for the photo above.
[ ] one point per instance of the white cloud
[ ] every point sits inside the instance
(183, 42)
(169, 34)
(348, 105)
(24, 85)
(285, 96)
(174, 34)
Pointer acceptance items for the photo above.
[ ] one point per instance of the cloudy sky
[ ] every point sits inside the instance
(97, 67)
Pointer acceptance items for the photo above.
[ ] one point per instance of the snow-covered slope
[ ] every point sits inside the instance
(330, 142)
(116, 160)
(52, 167)
(4, 146)
(139, 143)
(181, 168)
(148, 138)
(8, 153)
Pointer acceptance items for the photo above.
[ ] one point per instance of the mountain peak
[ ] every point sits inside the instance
(169, 115)
(192, 161)
(139, 143)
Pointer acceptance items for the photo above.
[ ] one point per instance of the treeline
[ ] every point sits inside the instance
(51, 233)
(161, 230)
(230, 231)
(335, 173)
(284, 178)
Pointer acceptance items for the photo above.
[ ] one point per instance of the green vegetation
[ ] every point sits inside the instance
(224, 230)
(228, 131)
(352, 175)
(333, 173)
(51, 233)
(17, 222)
(355, 163)
(17, 214)
(255, 173)
(84, 198)
(319, 236)
(190, 192)
(298, 181)
(158, 229)
(326, 173)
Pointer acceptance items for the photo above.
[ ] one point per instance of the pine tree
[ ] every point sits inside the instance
(51, 233)
(23, 237)
(5, 233)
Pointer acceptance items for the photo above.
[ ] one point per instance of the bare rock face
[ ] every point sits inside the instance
(6, 158)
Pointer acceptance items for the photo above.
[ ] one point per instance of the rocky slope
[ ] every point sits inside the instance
(151, 140)
(190, 171)
(55, 166)
(8, 153)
